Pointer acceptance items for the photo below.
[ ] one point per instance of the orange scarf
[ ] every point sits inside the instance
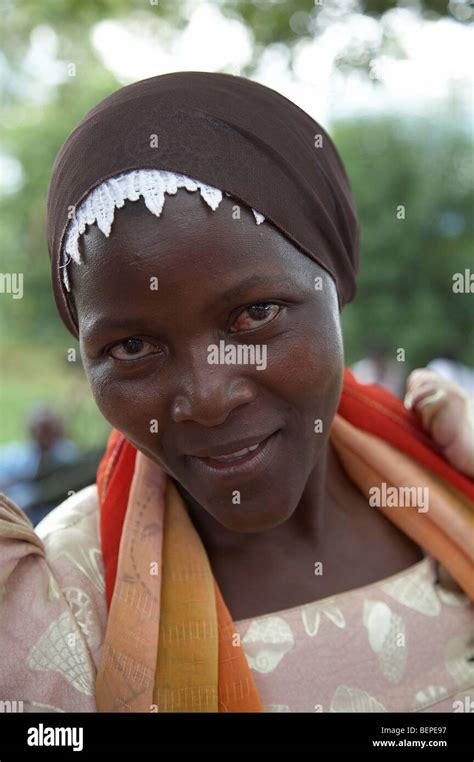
(170, 643)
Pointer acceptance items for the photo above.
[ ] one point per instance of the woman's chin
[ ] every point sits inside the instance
(252, 516)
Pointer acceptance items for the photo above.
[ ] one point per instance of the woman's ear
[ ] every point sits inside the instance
(72, 306)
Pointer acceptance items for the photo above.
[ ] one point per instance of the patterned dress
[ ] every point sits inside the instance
(405, 643)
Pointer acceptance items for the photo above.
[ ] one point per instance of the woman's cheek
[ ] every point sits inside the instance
(129, 406)
(311, 365)
(114, 399)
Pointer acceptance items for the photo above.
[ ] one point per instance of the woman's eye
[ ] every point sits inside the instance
(255, 316)
(132, 349)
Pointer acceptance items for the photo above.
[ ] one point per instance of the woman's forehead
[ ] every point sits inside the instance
(187, 238)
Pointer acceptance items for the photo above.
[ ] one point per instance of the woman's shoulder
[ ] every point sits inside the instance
(78, 513)
(78, 510)
(70, 534)
(52, 592)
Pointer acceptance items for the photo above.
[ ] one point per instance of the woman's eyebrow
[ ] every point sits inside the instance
(262, 281)
(101, 324)
(95, 327)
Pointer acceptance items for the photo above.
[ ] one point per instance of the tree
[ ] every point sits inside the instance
(413, 186)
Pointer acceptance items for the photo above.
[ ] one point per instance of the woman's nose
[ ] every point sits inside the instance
(208, 394)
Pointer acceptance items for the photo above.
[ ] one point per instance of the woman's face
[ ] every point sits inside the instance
(203, 335)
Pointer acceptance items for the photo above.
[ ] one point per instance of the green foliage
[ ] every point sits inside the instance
(33, 135)
(290, 21)
(405, 297)
(38, 372)
(73, 20)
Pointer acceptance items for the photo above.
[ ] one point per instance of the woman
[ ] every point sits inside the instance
(245, 567)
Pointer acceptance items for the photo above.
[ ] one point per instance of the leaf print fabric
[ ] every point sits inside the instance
(404, 643)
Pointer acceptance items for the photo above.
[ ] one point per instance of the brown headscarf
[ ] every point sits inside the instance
(229, 132)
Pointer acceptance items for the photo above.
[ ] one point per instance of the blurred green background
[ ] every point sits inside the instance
(419, 158)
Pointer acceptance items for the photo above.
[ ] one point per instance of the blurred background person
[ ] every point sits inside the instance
(379, 367)
(447, 364)
(47, 466)
(47, 448)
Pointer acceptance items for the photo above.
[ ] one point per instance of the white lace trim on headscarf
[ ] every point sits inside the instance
(100, 204)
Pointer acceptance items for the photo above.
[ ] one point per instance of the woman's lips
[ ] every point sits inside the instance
(236, 455)
(246, 461)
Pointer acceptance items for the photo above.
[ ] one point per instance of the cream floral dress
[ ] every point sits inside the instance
(405, 643)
